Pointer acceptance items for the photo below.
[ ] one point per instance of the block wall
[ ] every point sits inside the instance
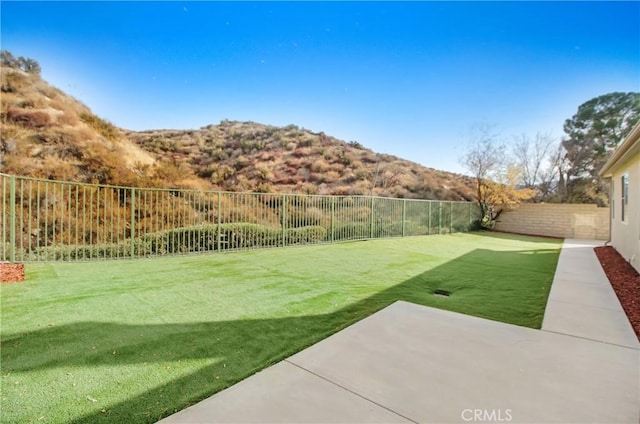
(556, 220)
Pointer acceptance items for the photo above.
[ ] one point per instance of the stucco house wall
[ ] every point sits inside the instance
(625, 162)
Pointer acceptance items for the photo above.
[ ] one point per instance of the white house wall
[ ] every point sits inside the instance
(625, 236)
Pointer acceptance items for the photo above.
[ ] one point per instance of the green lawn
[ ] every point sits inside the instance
(134, 341)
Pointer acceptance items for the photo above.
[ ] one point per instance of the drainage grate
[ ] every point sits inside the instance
(441, 293)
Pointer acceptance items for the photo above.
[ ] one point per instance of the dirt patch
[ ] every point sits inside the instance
(625, 281)
(11, 273)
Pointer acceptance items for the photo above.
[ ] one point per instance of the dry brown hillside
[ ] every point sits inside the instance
(47, 133)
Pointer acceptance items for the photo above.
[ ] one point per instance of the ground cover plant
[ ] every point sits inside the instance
(134, 341)
(625, 281)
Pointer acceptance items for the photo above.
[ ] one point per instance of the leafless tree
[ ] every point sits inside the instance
(538, 159)
(485, 158)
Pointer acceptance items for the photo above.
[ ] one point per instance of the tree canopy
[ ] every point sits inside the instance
(540, 169)
(597, 128)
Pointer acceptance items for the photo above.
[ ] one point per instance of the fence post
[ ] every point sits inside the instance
(284, 219)
(404, 214)
(371, 232)
(439, 217)
(470, 221)
(133, 221)
(12, 218)
(219, 236)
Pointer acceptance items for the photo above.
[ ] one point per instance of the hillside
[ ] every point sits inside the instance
(49, 134)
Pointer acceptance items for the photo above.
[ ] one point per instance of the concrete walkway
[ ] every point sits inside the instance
(582, 303)
(410, 363)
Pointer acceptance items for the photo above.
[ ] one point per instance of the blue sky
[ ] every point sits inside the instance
(409, 79)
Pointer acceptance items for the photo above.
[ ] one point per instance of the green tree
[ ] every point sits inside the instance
(598, 126)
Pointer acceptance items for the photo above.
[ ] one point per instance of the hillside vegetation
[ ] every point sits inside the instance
(49, 134)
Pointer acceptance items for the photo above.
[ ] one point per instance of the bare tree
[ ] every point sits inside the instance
(485, 159)
(538, 160)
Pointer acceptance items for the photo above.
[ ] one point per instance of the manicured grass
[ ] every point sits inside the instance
(133, 341)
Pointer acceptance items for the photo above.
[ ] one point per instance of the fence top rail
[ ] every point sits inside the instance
(171, 190)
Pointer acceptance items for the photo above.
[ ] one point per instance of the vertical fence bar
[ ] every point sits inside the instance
(46, 215)
(112, 227)
(333, 219)
(69, 228)
(54, 202)
(5, 254)
(117, 193)
(450, 217)
(84, 221)
(372, 218)
(159, 220)
(404, 215)
(165, 220)
(21, 220)
(429, 225)
(30, 221)
(104, 221)
(90, 224)
(12, 219)
(439, 217)
(284, 219)
(219, 240)
(77, 222)
(133, 222)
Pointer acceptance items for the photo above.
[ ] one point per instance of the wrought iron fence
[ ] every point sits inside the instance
(45, 220)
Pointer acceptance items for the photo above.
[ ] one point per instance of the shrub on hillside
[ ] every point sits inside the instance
(320, 166)
(29, 118)
(25, 64)
(105, 128)
(264, 188)
(13, 81)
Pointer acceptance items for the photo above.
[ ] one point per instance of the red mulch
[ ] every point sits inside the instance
(625, 281)
(10, 273)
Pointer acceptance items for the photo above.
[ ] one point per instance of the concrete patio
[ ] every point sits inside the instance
(410, 363)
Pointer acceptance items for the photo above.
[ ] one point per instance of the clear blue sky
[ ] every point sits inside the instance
(409, 79)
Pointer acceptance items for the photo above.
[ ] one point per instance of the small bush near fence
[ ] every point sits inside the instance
(186, 240)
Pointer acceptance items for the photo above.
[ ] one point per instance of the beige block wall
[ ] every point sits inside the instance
(557, 220)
